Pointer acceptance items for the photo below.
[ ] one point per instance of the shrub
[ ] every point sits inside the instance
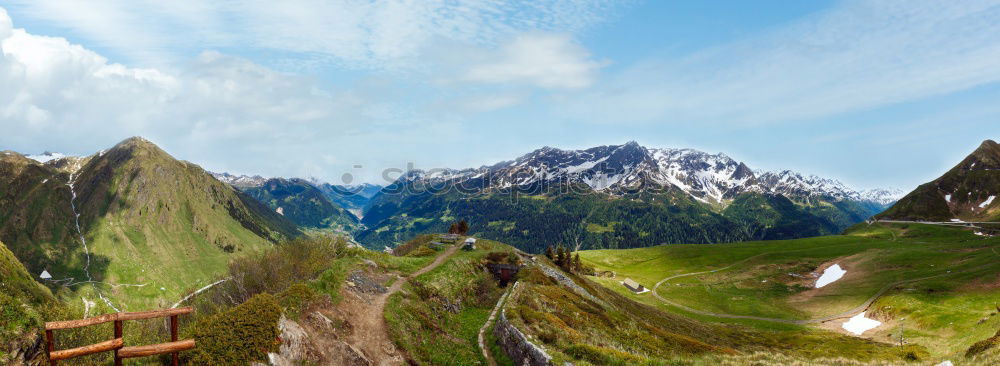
(331, 280)
(276, 269)
(295, 297)
(406, 248)
(483, 288)
(238, 336)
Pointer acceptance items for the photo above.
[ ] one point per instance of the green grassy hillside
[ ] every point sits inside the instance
(437, 317)
(155, 227)
(596, 325)
(21, 299)
(943, 281)
(36, 220)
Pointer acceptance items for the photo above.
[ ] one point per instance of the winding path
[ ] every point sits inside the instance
(844, 314)
(482, 331)
(371, 333)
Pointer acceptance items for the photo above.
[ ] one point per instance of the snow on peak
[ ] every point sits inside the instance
(45, 157)
(709, 178)
(240, 180)
(884, 196)
(790, 183)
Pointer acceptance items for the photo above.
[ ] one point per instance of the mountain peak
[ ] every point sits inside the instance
(134, 147)
(988, 149)
(135, 141)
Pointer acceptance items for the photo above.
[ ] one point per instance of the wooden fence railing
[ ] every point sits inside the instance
(117, 345)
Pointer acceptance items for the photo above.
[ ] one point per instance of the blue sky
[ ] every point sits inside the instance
(874, 93)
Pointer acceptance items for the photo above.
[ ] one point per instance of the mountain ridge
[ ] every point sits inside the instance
(967, 191)
(710, 178)
(617, 196)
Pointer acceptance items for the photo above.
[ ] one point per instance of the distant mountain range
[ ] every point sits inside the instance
(603, 197)
(967, 192)
(618, 196)
(353, 198)
(617, 170)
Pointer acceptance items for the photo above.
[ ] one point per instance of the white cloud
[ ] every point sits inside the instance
(220, 111)
(367, 34)
(5, 24)
(551, 61)
(65, 95)
(856, 56)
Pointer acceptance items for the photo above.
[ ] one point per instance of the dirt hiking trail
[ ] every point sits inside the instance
(371, 334)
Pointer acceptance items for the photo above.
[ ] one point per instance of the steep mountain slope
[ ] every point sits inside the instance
(967, 192)
(21, 298)
(302, 203)
(18, 283)
(130, 215)
(36, 218)
(617, 197)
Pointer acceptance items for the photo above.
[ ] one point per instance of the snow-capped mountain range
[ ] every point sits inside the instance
(242, 181)
(709, 178)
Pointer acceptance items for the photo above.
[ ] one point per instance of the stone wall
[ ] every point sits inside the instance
(517, 346)
(557, 275)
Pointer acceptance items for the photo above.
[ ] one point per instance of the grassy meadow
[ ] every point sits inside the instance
(941, 284)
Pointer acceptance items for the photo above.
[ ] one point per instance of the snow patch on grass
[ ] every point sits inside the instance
(830, 275)
(987, 202)
(858, 324)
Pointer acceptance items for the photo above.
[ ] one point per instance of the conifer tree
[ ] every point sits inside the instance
(561, 256)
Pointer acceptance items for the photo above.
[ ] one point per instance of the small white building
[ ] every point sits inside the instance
(469, 244)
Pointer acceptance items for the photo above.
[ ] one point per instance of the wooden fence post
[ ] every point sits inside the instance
(52, 346)
(173, 338)
(118, 334)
